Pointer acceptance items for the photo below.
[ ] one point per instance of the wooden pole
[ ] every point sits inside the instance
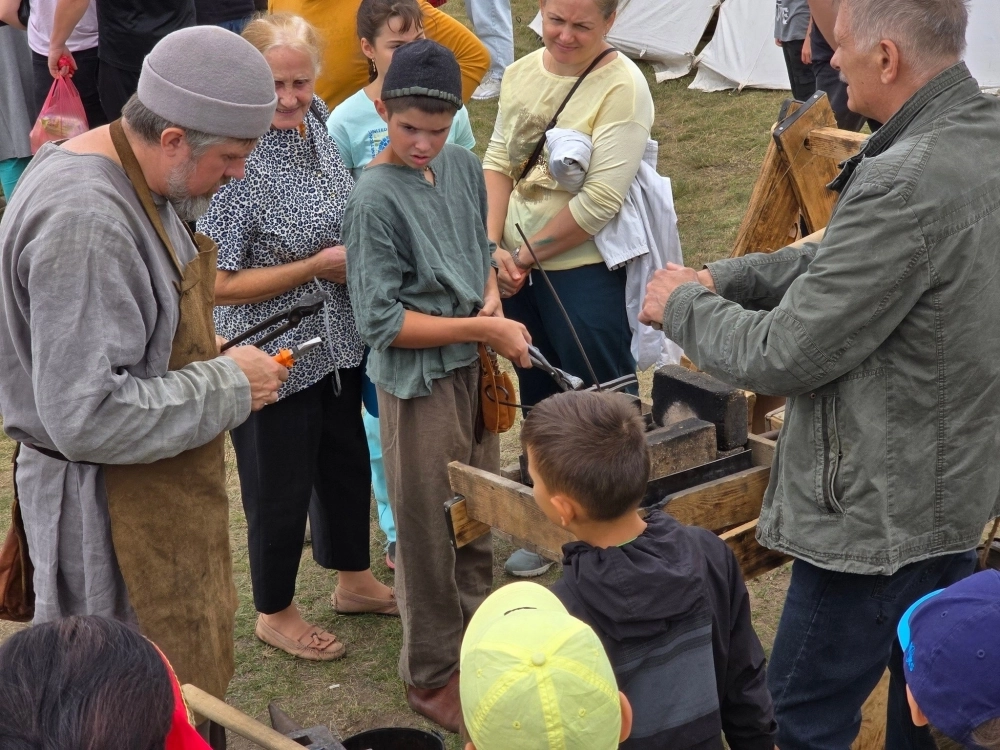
(235, 720)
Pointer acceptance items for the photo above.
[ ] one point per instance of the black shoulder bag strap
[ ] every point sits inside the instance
(536, 154)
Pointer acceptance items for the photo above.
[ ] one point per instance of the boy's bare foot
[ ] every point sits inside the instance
(441, 705)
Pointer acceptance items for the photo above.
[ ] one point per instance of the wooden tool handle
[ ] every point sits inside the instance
(235, 720)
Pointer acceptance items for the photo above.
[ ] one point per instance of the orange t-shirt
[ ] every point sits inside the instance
(345, 69)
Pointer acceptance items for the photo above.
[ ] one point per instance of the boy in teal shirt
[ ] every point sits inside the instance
(360, 135)
(424, 294)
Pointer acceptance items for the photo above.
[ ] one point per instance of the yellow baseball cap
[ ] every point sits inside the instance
(533, 676)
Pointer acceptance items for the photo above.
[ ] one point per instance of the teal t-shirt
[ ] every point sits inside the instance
(361, 134)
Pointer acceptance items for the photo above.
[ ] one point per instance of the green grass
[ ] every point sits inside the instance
(711, 146)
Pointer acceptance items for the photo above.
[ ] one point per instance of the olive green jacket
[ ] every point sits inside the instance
(885, 336)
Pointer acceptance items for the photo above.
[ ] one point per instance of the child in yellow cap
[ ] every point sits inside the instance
(667, 600)
(535, 677)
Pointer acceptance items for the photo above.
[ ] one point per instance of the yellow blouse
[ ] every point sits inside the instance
(613, 106)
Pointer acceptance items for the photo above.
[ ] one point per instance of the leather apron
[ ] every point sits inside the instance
(170, 518)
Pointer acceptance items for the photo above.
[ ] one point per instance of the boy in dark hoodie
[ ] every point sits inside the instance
(667, 600)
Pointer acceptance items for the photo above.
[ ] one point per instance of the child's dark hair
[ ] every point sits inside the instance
(373, 15)
(592, 447)
(427, 104)
(83, 681)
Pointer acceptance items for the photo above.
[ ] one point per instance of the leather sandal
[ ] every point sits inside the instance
(314, 644)
(348, 603)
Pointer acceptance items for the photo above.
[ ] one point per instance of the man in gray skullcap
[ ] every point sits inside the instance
(110, 373)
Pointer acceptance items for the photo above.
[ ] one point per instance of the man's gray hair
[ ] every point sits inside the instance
(148, 126)
(927, 32)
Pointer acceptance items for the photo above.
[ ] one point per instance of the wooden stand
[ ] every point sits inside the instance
(802, 158)
(728, 506)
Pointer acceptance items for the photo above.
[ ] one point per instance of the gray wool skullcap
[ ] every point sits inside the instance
(208, 79)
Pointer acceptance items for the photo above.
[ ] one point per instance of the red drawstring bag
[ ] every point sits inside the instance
(62, 115)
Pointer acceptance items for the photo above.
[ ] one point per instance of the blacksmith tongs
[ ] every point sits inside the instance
(308, 304)
(568, 382)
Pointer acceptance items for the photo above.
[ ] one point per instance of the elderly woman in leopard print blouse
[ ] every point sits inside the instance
(279, 234)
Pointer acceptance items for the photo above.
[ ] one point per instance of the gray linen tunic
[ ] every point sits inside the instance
(89, 313)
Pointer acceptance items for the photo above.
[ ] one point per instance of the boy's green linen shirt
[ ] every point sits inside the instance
(416, 246)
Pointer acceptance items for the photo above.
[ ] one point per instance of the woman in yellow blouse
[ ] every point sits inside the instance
(345, 69)
(614, 107)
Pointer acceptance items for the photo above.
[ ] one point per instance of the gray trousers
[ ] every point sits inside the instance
(438, 588)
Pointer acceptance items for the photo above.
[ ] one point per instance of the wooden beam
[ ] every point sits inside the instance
(808, 173)
(771, 218)
(754, 559)
(463, 529)
(834, 143)
(724, 503)
(763, 449)
(680, 446)
(508, 506)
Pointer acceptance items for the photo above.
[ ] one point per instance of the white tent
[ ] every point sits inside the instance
(742, 52)
(983, 38)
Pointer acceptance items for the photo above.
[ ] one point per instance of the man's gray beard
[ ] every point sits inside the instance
(188, 207)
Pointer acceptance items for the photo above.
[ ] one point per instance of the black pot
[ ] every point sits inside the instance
(394, 738)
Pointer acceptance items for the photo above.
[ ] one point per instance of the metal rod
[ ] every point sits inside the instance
(572, 330)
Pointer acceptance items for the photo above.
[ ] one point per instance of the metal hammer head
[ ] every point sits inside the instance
(314, 738)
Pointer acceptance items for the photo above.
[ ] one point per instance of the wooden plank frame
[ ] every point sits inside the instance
(803, 156)
(729, 506)
(808, 173)
(770, 220)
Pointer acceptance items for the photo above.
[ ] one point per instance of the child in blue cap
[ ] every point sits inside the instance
(951, 653)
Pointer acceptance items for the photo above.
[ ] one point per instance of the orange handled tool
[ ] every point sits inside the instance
(288, 357)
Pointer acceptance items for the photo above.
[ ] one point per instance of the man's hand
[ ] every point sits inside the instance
(55, 55)
(509, 339)
(663, 284)
(510, 278)
(331, 264)
(265, 375)
(807, 54)
(219, 343)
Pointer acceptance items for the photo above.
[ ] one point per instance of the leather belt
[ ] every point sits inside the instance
(56, 455)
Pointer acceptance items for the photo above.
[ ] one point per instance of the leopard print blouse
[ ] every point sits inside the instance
(288, 206)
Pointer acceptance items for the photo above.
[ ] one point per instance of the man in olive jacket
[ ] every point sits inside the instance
(885, 336)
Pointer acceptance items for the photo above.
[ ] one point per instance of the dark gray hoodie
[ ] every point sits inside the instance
(673, 614)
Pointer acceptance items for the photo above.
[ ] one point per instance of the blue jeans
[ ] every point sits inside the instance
(495, 28)
(836, 636)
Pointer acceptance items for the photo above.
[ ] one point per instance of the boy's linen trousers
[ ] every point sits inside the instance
(438, 588)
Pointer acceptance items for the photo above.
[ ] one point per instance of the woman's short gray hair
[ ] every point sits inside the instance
(148, 126)
(928, 32)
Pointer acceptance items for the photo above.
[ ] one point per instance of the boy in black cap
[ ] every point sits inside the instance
(424, 294)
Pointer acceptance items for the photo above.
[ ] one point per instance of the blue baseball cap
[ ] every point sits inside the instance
(951, 654)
